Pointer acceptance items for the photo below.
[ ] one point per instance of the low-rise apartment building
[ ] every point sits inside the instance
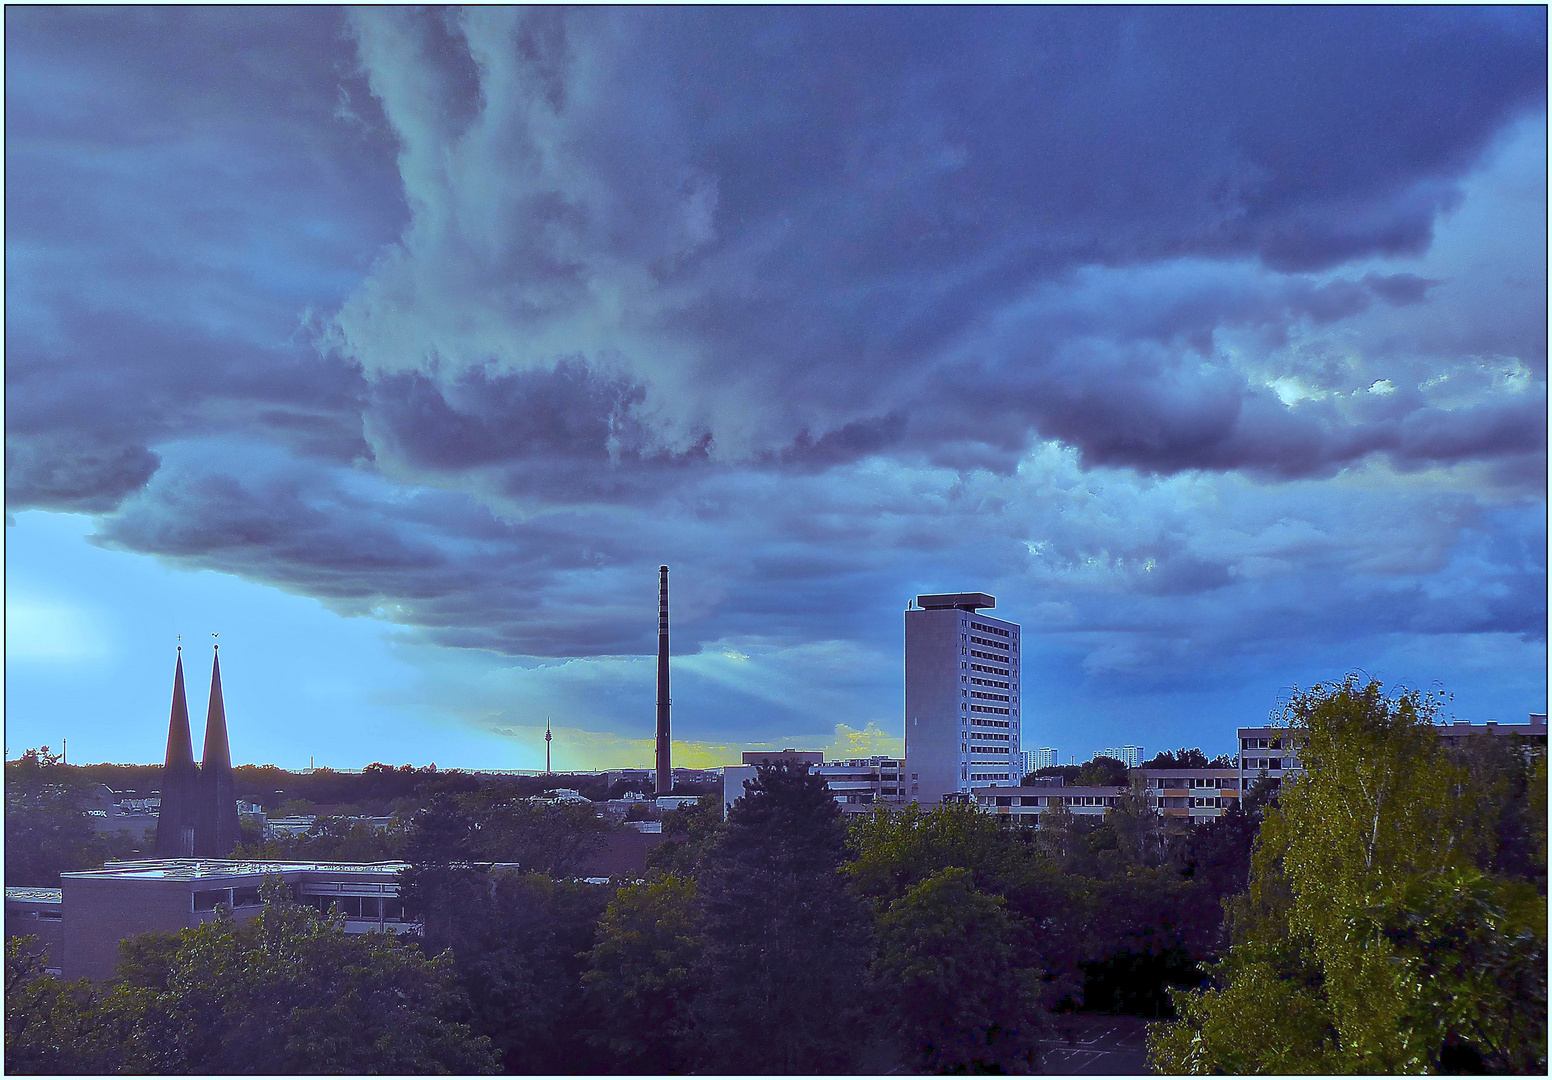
(1457, 732)
(1195, 794)
(1261, 750)
(1023, 805)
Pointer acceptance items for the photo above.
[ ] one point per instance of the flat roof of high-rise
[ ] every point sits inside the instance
(195, 869)
(964, 601)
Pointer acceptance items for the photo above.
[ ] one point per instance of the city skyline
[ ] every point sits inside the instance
(402, 347)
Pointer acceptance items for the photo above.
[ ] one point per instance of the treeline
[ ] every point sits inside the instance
(1103, 771)
(1386, 913)
(376, 789)
(780, 940)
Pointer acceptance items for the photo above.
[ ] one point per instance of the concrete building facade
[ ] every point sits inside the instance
(99, 908)
(1194, 794)
(1020, 805)
(962, 695)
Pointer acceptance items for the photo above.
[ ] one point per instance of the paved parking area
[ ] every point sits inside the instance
(1089, 1045)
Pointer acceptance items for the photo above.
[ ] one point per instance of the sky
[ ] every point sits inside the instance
(400, 347)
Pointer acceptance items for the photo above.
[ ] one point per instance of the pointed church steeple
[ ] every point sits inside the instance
(218, 832)
(180, 779)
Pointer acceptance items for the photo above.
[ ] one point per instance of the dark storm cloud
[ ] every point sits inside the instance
(71, 475)
(801, 214)
(169, 219)
(1125, 314)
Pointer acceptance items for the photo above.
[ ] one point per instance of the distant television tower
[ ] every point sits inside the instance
(547, 737)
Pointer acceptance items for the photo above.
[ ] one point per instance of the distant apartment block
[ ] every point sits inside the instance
(1033, 760)
(1130, 756)
(961, 696)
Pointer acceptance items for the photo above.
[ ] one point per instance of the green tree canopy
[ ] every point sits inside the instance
(784, 965)
(639, 983)
(961, 978)
(287, 993)
(1192, 758)
(1375, 926)
(46, 827)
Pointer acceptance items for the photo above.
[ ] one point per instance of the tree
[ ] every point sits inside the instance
(1102, 772)
(1372, 936)
(639, 982)
(521, 964)
(1188, 759)
(689, 833)
(46, 827)
(961, 978)
(517, 939)
(896, 849)
(51, 1026)
(786, 944)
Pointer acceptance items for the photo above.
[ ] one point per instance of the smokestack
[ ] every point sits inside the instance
(665, 768)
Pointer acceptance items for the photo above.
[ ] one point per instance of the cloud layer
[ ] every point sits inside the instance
(1212, 341)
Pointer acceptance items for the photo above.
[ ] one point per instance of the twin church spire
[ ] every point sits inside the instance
(198, 816)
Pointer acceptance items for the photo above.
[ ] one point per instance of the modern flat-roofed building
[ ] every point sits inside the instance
(859, 784)
(99, 908)
(961, 696)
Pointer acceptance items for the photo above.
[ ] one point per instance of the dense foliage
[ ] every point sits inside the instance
(288, 992)
(46, 827)
(1192, 758)
(1396, 915)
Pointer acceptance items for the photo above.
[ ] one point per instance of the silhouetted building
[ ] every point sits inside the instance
(175, 823)
(198, 814)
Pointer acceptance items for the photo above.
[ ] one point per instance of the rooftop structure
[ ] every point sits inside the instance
(959, 601)
(1456, 732)
(789, 756)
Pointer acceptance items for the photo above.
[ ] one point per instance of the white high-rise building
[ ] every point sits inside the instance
(1032, 760)
(1130, 756)
(961, 696)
